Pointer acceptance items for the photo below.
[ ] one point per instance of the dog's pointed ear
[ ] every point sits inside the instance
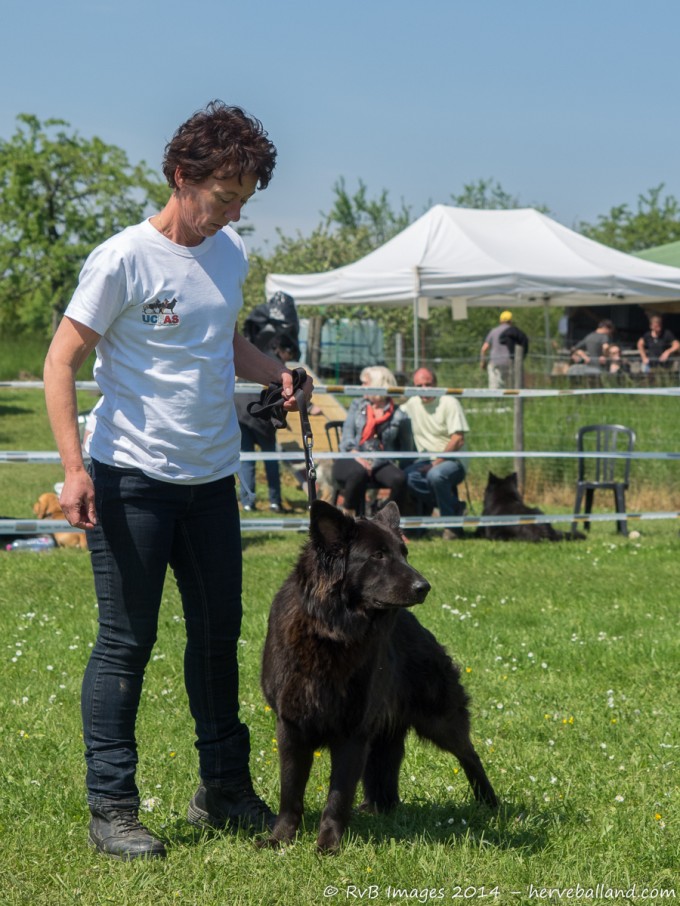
(492, 479)
(390, 515)
(328, 526)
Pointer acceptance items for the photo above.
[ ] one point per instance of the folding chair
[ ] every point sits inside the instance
(333, 434)
(604, 471)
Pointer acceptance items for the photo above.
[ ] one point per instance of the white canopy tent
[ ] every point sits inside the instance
(478, 258)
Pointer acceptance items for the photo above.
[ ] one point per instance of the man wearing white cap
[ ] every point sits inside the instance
(500, 345)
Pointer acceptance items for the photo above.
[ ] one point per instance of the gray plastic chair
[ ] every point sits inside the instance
(604, 472)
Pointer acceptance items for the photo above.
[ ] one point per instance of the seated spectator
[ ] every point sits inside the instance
(656, 346)
(598, 350)
(438, 425)
(373, 423)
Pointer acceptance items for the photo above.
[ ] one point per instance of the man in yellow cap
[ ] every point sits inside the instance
(499, 345)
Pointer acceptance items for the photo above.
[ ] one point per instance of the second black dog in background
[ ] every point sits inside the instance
(502, 498)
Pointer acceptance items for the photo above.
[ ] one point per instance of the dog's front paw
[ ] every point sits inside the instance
(269, 843)
(328, 841)
(378, 806)
(283, 832)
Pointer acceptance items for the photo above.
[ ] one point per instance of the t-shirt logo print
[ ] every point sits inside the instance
(160, 312)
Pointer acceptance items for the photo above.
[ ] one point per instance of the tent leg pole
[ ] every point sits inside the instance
(416, 356)
(518, 419)
(546, 327)
(399, 353)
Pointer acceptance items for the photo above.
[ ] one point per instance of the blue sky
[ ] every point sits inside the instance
(572, 104)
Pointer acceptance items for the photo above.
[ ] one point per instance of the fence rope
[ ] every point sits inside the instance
(51, 457)
(301, 524)
(465, 392)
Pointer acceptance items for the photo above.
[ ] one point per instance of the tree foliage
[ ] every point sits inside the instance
(485, 194)
(655, 221)
(60, 196)
(355, 226)
(370, 222)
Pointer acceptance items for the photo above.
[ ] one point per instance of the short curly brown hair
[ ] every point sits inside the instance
(220, 141)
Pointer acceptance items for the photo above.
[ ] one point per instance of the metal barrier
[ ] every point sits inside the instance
(32, 526)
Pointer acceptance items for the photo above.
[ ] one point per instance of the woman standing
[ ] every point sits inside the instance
(159, 303)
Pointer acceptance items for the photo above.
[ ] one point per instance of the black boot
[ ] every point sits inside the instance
(118, 833)
(234, 805)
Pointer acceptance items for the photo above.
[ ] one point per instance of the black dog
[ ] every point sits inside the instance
(346, 666)
(502, 498)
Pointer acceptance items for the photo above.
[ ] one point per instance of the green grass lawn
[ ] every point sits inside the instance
(570, 653)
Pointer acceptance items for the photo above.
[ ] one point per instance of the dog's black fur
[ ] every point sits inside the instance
(502, 498)
(345, 665)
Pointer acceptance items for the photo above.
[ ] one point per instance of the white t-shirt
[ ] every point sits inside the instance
(433, 423)
(165, 364)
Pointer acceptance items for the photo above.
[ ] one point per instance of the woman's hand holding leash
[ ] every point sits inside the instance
(290, 404)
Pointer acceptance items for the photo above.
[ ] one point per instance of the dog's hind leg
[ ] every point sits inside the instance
(381, 774)
(451, 733)
(347, 763)
(295, 759)
(476, 775)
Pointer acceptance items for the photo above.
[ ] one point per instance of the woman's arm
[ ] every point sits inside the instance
(70, 347)
(351, 435)
(251, 364)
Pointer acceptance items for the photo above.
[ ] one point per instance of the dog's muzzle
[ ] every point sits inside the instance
(421, 588)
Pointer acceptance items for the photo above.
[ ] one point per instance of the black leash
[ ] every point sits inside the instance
(270, 405)
(308, 443)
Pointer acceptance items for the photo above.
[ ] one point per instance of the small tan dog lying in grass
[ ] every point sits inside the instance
(47, 507)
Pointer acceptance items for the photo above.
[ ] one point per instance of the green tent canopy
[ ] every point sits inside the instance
(663, 254)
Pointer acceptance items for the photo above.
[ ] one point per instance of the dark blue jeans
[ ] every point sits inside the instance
(437, 485)
(144, 526)
(249, 440)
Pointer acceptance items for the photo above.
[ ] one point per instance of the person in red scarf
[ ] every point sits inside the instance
(373, 423)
